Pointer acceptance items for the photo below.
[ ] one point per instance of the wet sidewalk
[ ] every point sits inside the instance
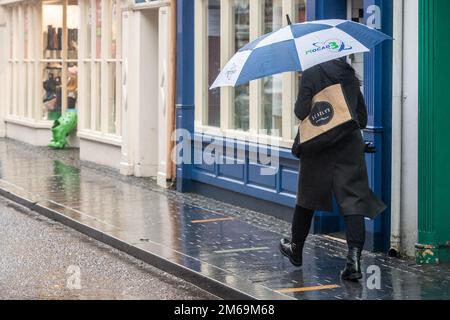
(229, 251)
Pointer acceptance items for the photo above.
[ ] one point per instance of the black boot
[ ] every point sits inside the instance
(352, 271)
(292, 251)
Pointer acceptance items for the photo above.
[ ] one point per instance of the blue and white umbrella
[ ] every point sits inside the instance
(298, 47)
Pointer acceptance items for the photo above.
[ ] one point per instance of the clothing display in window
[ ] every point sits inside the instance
(52, 86)
(72, 87)
(72, 35)
(54, 38)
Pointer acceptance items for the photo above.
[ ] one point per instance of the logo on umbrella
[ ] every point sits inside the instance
(231, 71)
(330, 45)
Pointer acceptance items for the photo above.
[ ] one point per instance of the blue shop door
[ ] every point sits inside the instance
(374, 69)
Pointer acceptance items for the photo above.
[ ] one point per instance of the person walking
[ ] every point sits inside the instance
(339, 170)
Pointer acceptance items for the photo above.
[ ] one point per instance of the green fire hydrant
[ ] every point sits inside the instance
(62, 128)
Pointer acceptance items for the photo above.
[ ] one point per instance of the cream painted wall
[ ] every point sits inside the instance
(145, 93)
(409, 221)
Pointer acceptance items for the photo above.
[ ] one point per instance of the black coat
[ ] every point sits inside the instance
(340, 169)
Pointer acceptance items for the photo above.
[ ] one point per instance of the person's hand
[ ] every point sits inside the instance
(370, 147)
(296, 149)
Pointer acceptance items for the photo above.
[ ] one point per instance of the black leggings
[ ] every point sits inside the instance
(301, 224)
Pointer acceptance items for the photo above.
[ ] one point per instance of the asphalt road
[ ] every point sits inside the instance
(43, 259)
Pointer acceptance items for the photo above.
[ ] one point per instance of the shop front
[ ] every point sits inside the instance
(55, 49)
(240, 121)
(40, 80)
(433, 149)
(85, 57)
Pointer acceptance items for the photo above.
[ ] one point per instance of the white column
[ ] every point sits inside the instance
(163, 95)
(410, 134)
(147, 85)
(129, 57)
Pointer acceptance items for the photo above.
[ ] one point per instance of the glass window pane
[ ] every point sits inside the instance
(72, 86)
(241, 38)
(300, 11)
(272, 111)
(26, 31)
(213, 104)
(112, 98)
(11, 32)
(300, 16)
(98, 28)
(52, 16)
(72, 30)
(87, 95)
(52, 91)
(114, 25)
(88, 43)
(98, 97)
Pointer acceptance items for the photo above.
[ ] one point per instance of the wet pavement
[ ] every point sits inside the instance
(41, 258)
(212, 244)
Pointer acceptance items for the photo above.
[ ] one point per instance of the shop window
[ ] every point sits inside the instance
(43, 62)
(262, 107)
(60, 21)
(23, 95)
(100, 76)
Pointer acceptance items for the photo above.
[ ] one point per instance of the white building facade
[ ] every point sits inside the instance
(107, 59)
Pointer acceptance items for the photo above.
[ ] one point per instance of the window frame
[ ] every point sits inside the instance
(94, 71)
(201, 77)
(24, 98)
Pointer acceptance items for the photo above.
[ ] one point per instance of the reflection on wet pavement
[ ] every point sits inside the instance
(216, 243)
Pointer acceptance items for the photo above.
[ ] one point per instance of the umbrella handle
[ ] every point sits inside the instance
(288, 20)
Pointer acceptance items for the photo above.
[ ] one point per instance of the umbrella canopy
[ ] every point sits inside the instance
(298, 47)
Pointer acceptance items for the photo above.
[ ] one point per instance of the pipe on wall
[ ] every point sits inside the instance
(170, 165)
(397, 128)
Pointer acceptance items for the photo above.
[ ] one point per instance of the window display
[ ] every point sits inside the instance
(65, 55)
(60, 61)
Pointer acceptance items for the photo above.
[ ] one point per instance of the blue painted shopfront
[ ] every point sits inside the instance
(243, 179)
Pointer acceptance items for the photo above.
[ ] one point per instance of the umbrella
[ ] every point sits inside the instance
(298, 47)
